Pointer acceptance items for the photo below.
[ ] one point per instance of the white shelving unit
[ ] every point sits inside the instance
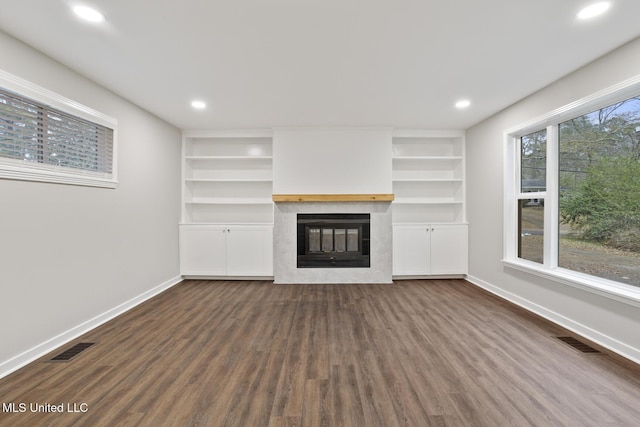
(428, 177)
(227, 178)
(227, 207)
(429, 210)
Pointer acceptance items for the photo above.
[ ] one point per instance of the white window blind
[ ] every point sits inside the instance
(41, 143)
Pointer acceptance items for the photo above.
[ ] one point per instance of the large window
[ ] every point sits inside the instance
(599, 182)
(573, 207)
(41, 142)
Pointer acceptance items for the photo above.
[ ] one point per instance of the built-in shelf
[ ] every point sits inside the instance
(227, 177)
(228, 180)
(437, 158)
(427, 201)
(429, 229)
(230, 201)
(428, 177)
(227, 211)
(213, 158)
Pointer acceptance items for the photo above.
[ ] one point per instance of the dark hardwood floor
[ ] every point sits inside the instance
(417, 353)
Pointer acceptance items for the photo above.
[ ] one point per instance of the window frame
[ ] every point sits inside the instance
(542, 195)
(20, 170)
(549, 269)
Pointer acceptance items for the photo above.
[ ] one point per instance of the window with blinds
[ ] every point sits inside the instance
(41, 143)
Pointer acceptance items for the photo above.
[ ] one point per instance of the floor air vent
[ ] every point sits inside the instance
(72, 352)
(580, 346)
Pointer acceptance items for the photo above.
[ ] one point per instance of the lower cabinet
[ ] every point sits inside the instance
(430, 249)
(226, 250)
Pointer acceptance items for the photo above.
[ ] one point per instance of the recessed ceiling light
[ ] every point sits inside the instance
(594, 10)
(463, 103)
(88, 14)
(198, 105)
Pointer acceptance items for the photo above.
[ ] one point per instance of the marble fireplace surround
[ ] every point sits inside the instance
(284, 239)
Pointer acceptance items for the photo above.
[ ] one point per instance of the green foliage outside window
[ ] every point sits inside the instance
(605, 207)
(600, 175)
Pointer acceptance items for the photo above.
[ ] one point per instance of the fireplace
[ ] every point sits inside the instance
(285, 242)
(333, 240)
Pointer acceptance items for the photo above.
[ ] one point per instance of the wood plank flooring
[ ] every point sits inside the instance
(416, 353)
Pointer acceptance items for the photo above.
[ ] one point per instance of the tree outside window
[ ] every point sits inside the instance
(599, 187)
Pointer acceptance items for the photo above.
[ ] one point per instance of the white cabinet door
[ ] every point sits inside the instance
(422, 250)
(250, 250)
(226, 250)
(411, 250)
(449, 247)
(202, 250)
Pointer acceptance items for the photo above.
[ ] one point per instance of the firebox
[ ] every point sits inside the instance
(333, 240)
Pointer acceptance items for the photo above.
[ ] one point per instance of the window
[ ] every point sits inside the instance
(599, 183)
(533, 178)
(572, 209)
(44, 137)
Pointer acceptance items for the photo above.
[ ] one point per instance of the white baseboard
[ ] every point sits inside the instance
(206, 277)
(430, 277)
(605, 341)
(40, 350)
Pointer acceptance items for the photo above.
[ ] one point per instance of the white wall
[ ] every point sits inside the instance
(69, 253)
(332, 161)
(602, 319)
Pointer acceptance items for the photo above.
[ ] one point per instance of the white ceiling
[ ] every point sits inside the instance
(269, 63)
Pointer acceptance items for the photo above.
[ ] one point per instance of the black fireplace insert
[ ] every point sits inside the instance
(333, 240)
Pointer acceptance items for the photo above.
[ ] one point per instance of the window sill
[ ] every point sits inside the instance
(43, 175)
(621, 292)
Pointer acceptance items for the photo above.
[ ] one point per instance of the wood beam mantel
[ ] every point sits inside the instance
(333, 197)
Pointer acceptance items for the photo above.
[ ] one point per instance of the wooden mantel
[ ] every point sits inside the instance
(333, 197)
